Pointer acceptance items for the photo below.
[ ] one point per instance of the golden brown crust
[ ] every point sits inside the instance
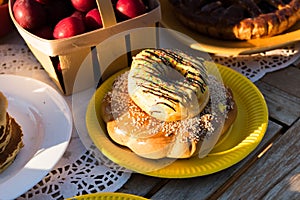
(13, 147)
(10, 136)
(6, 134)
(217, 20)
(3, 107)
(163, 142)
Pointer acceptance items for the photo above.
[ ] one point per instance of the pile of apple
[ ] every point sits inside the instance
(56, 19)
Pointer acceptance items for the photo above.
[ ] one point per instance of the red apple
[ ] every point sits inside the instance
(84, 5)
(68, 27)
(58, 67)
(5, 21)
(78, 14)
(42, 1)
(58, 9)
(128, 9)
(29, 14)
(93, 19)
(45, 32)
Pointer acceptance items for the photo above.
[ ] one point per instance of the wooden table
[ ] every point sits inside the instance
(272, 171)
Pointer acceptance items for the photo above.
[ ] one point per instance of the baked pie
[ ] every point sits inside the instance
(237, 19)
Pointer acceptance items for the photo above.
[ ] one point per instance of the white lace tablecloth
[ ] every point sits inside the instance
(79, 172)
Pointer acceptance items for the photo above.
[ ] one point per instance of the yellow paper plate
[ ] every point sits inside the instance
(107, 195)
(211, 45)
(244, 136)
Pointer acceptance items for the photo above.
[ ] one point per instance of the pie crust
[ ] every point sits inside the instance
(237, 19)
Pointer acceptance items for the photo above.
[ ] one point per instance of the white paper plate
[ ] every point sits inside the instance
(46, 121)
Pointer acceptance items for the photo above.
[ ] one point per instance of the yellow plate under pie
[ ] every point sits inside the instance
(106, 196)
(244, 136)
(211, 45)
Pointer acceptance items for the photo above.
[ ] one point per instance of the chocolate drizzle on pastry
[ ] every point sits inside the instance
(162, 93)
(195, 78)
(173, 59)
(193, 73)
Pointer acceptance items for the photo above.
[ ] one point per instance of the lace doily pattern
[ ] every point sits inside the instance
(105, 161)
(78, 172)
(18, 59)
(255, 66)
(83, 176)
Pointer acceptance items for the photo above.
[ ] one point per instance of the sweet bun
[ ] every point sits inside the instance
(165, 140)
(129, 125)
(168, 85)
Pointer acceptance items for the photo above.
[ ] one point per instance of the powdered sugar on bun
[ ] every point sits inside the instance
(129, 125)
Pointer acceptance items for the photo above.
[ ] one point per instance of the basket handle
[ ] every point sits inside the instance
(107, 13)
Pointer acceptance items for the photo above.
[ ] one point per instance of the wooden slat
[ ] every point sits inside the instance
(282, 106)
(271, 174)
(288, 188)
(287, 79)
(203, 187)
(139, 184)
